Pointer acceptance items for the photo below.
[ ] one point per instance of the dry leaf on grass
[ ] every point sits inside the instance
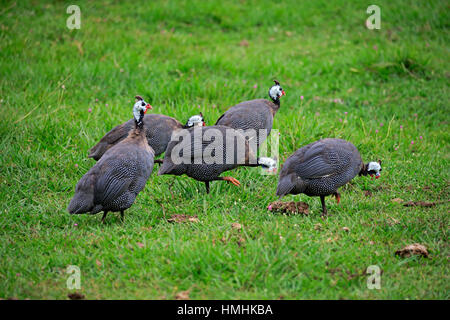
(236, 226)
(98, 262)
(391, 221)
(182, 295)
(178, 218)
(244, 43)
(397, 200)
(412, 249)
(289, 207)
(368, 193)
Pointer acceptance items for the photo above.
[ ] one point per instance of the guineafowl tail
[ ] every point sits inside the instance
(113, 137)
(98, 150)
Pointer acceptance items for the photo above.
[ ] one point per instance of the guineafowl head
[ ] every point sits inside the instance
(374, 169)
(276, 91)
(268, 164)
(195, 121)
(139, 109)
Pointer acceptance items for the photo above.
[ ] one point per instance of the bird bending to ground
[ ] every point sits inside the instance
(320, 168)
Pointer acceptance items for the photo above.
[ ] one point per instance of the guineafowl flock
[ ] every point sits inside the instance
(125, 156)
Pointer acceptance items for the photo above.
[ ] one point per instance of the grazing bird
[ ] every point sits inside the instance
(158, 130)
(254, 114)
(321, 167)
(113, 183)
(203, 153)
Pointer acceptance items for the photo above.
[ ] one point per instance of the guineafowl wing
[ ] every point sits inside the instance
(321, 160)
(114, 181)
(221, 145)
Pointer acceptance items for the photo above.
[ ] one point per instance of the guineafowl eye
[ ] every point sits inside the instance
(143, 103)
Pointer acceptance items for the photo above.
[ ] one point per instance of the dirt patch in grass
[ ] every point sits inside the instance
(412, 249)
(419, 204)
(76, 296)
(290, 207)
(423, 203)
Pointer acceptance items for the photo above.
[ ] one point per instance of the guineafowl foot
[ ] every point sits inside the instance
(232, 180)
(159, 161)
(338, 196)
(324, 207)
(104, 216)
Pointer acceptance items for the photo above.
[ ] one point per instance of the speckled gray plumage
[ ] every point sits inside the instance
(319, 168)
(204, 171)
(158, 130)
(254, 114)
(113, 183)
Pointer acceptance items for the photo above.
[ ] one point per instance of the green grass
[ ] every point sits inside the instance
(190, 57)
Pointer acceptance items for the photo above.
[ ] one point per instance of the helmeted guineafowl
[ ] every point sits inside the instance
(113, 183)
(158, 130)
(203, 153)
(254, 114)
(320, 168)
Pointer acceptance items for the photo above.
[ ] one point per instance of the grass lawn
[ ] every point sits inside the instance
(384, 90)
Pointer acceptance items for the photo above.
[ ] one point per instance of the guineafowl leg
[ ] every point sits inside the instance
(229, 179)
(122, 216)
(324, 207)
(104, 216)
(207, 186)
(338, 196)
(159, 161)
